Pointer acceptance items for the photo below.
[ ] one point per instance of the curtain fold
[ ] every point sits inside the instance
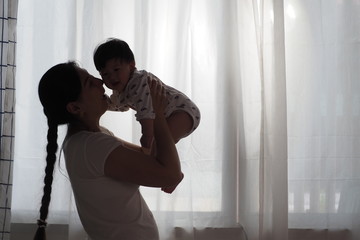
(273, 135)
(262, 120)
(8, 15)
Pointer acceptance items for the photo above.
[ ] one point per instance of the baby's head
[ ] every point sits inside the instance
(115, 62)
(112, 48)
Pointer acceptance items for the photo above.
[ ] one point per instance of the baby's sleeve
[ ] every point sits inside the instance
(114, 103)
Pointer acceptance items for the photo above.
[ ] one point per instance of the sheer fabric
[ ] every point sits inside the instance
(262, 74)
(323, 82)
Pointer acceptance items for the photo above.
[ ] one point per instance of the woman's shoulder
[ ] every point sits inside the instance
(106, 131)
(83, 137)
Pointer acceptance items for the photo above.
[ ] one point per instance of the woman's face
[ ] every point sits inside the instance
(92, 100)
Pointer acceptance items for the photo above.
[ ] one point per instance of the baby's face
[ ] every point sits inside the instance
(116, 74)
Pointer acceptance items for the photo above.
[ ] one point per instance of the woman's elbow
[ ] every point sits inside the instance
(174, 179)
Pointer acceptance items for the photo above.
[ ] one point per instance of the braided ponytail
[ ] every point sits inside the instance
(51, 149)
(58, 86)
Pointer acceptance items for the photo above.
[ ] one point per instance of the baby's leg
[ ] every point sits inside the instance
(180, 124)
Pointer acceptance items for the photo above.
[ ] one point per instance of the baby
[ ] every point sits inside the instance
(116, 64)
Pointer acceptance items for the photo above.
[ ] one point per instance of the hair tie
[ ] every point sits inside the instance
(41, 223)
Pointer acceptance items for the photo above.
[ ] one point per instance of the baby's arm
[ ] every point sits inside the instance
(147, 130)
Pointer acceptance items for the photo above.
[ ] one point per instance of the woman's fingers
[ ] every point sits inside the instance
(158, 95)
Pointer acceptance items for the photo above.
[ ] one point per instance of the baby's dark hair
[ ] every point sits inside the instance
(58, 86)
(112, 48)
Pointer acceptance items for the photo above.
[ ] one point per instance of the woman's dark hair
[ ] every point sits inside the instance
(112, 48)
(58, 86)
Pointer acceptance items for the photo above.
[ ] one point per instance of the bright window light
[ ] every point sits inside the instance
(290, 11)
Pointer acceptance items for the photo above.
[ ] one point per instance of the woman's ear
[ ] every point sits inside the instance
(73, 108)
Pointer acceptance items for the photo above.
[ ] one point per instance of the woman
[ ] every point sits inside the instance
(105, 172)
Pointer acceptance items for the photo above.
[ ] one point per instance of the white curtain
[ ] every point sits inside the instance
(323, 93)
(277, 83)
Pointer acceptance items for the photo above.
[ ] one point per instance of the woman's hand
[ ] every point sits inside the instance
(158, 95)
